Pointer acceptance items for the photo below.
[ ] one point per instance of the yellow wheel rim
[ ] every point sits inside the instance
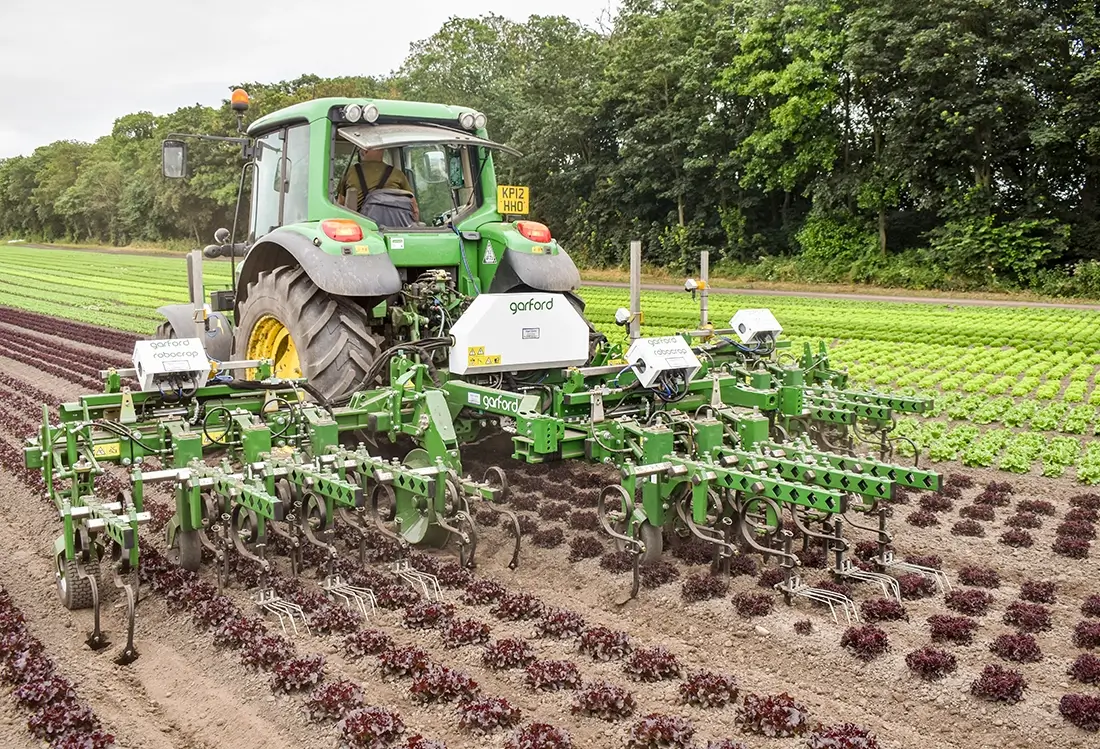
(270, 339)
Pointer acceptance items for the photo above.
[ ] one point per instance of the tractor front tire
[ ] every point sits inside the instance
(330, 335)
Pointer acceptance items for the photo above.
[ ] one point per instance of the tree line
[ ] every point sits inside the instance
(950, 144)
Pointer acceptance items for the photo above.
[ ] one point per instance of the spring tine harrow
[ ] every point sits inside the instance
(360, 599)
(940, 578)
(794, 586)
(425, 584)
(890, 587)
(268, 601)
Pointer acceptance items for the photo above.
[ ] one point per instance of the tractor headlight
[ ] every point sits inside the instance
(467, 120)
(370, 114)
(479, 121)
(352, 112)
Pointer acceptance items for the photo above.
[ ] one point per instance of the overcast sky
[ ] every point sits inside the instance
(69, 68)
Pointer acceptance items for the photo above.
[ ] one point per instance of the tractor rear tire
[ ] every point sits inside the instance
(164, 332)
(331, 335)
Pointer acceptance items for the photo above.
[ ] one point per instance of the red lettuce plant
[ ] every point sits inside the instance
(603, 700)
(508, 652)
(842, 736)
(605, 644)
(488, 714)
(750, 605)
(459, 632)
(552, 676)
(366, 642)
(805, 626)
(652, 664)
(707, 689)
(931, 663)
(371, 728)
(922, 519)
(971, 601)
(407, 661)
(560, 623)
(441, 684)
(517, 607)
(998, 684)
(1023, 521)
(1086, 669)
(775, 716)
(1028, 617)
(481, 592)
(549, 538)
(1039, 591)
(956, 629)
(1087, 635)
(428, 614)
(333, 700)
(296, 674)
(979, 577)
(584, 546)
(1091, 606)
(1071, 548)
(656, 731)
(1082, 710)
(656, 574)
(865, 642)
(1018, 539)
(617, 561)
(914, 586)
(1020, 648)
(1036, 507)
(540, 736)
(703, 587)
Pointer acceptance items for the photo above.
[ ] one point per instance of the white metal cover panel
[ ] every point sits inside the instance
(518, 332)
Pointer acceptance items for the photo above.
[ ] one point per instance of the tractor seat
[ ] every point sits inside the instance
(391, 208)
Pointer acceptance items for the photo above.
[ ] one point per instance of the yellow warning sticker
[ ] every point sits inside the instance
(107, 450)
(476, 357)
(538, 250)
(212, 435)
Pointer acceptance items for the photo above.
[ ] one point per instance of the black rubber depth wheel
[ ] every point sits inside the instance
(74, 591)
(190, 548)
(654, 540)
(330, 334)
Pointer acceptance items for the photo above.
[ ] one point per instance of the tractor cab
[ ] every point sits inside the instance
(353, 203)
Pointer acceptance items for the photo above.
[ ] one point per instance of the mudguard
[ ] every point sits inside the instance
(218, 340)
(350, 275)
(540, 272)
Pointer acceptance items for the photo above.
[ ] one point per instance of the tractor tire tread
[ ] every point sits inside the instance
(331, 333)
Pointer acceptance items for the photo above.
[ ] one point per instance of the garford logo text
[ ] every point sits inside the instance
(532, 304)
(500, 403)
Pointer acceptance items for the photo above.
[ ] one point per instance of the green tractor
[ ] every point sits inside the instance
(352, 200)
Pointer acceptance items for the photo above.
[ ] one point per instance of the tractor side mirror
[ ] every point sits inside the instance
(173, 159)
(221, 236)
(434, 167)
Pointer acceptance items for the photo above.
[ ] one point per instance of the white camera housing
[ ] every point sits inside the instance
(171, 363)
(756, 325)
(652, 357)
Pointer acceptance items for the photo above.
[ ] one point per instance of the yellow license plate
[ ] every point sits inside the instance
(512, 200)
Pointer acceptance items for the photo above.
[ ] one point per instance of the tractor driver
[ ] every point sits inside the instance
(372, 173)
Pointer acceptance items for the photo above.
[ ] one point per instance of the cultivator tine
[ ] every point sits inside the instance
(129, 653)
(268, 601)
(495, 475)
(96, 639)
(360, 599)
(425, 584)
(611, 518)
(938, 576)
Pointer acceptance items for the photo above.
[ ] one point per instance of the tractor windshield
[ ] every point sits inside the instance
(409, 176)
(415, 179)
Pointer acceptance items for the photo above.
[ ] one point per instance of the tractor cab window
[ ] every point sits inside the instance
(419, 186)
(267, 186)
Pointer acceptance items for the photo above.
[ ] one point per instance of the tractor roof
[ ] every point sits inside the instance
(317, 109)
